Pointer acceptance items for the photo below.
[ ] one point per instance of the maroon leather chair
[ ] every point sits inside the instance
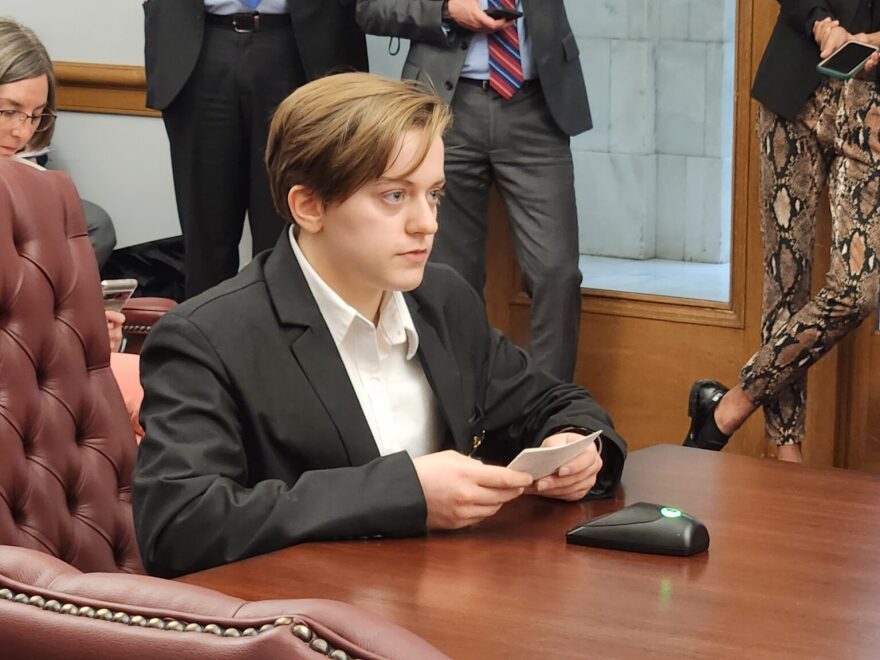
(141, 314)
(69, 563)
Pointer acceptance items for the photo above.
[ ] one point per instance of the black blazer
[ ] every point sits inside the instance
(327, 37)
(787, 73)
(255, 439)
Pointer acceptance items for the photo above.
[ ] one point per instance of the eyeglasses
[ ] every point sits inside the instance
(12, 118)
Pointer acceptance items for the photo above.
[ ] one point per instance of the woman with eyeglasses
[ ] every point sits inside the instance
(27, 119)
(27, 115)
(27, 90)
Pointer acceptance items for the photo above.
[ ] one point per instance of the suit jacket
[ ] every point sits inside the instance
(787, 73)
(326, 34)
(255, 439)
(437, 59)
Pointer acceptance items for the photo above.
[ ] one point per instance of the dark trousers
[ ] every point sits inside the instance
(217, 127)
(517, 145)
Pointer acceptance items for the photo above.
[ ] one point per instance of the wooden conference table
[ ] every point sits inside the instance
(791, 571)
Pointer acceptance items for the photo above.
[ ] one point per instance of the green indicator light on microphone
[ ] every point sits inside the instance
(669, 512)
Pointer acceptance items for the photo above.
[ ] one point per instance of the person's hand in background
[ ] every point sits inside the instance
(114, 329)
(467, 14)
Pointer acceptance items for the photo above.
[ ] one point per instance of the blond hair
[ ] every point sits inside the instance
(22, 57)
(337, 134)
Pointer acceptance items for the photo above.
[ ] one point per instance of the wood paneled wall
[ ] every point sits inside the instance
(103, 88)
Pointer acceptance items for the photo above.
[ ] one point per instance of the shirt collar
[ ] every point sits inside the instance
(395, 321)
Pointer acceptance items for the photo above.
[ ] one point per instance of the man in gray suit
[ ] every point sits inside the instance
(217, 69)
(517, 92)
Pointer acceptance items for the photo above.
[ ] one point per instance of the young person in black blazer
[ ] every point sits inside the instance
(816, 133)
(217, 69)
(308, 398)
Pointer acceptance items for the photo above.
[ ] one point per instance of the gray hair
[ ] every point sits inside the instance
(23, 56)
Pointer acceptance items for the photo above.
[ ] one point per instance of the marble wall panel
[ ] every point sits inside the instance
(615, 198)
(632, 106)
(596, 63)
(681, 98)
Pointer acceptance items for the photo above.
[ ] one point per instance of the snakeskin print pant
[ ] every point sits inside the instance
(835, 141)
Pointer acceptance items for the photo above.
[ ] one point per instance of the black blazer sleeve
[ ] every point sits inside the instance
(518, 405)
(798, 12)
(194, 502)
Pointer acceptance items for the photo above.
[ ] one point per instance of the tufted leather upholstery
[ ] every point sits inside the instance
(66, 460)
(65, 473)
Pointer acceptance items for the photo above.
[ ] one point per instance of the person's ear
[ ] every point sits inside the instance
(307, 208)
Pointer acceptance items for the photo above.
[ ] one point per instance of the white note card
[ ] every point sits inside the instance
(542, 461)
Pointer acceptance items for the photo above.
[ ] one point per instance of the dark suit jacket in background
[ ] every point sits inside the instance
(217, 91)
(437, 59)
(787, 73)
(325, 32)
(255, 439)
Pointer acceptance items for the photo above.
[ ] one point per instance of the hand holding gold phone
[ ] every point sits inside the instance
(117, 292)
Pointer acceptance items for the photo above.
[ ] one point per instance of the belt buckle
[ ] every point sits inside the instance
(246, 22)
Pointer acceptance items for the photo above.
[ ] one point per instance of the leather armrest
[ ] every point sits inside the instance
(141, 314)
(49, 608)
(145, 311)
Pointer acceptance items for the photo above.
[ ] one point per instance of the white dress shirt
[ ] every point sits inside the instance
(397, 401)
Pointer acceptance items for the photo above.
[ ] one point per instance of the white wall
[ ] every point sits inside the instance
(103, 31)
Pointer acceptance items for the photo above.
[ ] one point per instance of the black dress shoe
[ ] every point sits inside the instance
(702, 401)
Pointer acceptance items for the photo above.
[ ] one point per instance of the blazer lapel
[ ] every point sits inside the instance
(315, 351)
(443, 377)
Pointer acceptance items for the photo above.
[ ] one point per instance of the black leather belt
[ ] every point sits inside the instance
(255, 22)
(484, 84)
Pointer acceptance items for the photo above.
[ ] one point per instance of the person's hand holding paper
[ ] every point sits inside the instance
(564, 466)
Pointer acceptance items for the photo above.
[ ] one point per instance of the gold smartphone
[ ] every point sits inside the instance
(117, 292)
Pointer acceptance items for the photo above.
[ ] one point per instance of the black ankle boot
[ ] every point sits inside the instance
(702, 401)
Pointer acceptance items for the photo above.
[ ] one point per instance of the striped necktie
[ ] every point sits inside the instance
(505, 64)
(251, 3)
